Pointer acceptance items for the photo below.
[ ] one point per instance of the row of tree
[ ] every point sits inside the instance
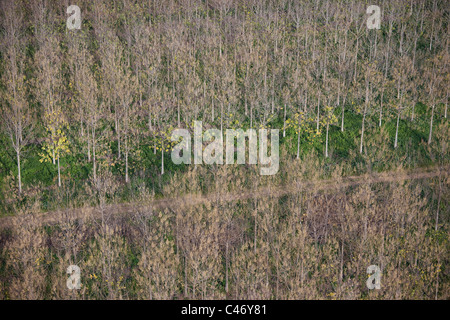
(309, 244)
(135, 70)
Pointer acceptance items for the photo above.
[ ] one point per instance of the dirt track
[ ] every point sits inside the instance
(192, 199)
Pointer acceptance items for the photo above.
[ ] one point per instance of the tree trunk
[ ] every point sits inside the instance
(89, 146)
(221, 118)
(356, 60)
(162, 158)
(212, 109)
(93, 157)
(150, 121)
(326, 143)
(178, 107)
(127, 179)
(256, 225)
(431, 125)
(446, 106)
(362, 132)
(381, 107)
(18, 171)
(118, 139)
(59, 174)
(396, 130)
(364, 118)
(318, 105)
(226, 267)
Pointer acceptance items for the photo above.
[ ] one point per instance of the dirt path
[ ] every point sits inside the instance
(194, 199)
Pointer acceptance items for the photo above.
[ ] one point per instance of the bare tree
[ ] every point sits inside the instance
(16, 112)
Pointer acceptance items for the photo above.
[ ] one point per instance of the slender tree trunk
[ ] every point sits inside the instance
(18, 171)
(326, 143)
(89, 146)
(343, 109)
(362, 132)
(318, 115)
(432, 25)
(94, 161)
(364, 119)
(381, 107)
(431, 125)
(256, 225)
(385, 72)
(396, 130)
(162, 158)
(178, 107)
(212, 109)
(415, 47)
(118, 138)
(59, 173)
(149, 120)
(356, 60)
(221, 118)
(127, 178)
(446, 106)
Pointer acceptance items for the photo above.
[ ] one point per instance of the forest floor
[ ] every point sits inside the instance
(148, 207)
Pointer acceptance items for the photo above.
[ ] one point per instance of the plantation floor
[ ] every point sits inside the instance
(54, 217)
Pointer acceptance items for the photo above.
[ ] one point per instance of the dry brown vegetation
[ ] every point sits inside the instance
(310, 243)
